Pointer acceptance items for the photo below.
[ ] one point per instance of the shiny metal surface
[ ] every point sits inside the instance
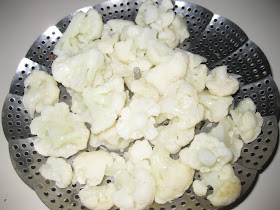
(212, 36)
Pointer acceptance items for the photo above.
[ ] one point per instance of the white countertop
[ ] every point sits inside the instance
(22, 22)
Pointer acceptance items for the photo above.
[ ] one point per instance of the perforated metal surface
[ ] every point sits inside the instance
(212, 36)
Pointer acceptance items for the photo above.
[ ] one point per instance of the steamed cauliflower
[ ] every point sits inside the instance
(172, 177)
(90, 167)
(40, 91)
(110, 139)
(172, 138)
(226, 186)
(180, 101)
(162, 75)
(58, 170)
(105, 103)
(139, 151)
(83, 29)
(60, 133)
(226, 132)
(216, 107)
(158, 52)
(137, 119)
(78, 71)
(219, 83)
(206, 153)
(136, 187)
(247, 120)
(97, 197)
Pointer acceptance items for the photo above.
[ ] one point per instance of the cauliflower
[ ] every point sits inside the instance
(148, 13)
(173, 138)
(83, 29)
(206, 153)
(172, 177)
(97, 197)
(90, 167)
(110, 139)
(139, 151)
(105, 103)
(216, 107)
(226, 186)
(137, 119)
(248, 121)
(78, 72)
(141, 88)
(58, 170)
(166, 73)
(118, 165)
(40, 91)
(60, 133)
(125, 50)
(219, 83)
(180, 101)
(226, 132)
(197, 72)
(136, 187)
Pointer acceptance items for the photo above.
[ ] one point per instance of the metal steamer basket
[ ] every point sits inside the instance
(214, 37)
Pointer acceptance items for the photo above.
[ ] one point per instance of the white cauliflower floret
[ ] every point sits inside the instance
(58, 170)
(172, 137)
(105, 103)
(118, 165)
(83, 29)
(125, 50)
(97, 197)
(226, 186)
(90, 167)
(78, 72)
(148, 13)
(158, 52)
(206, 153)
(110, 139)
(40, 90)
(60, 133)
(219, 83)
(197, 72)
(168, 72)
(226, 132)
(136, 187)
(137, 119)
(172, 177)
(180, 101)
(140, 150)
(141, 88)
(216, 107)
(247, 120)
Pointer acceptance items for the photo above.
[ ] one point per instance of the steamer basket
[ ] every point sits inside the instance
(216, 38)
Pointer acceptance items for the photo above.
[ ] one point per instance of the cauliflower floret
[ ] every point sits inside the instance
(219, 83)
(90, 167)
(139, 151)
(105, 103)
(158, 52)
(226, 186)
(226, 132)
(172, 177)
(60, 133)
(83, 29)
(247, 120)
(197, 72)
(40, 90)
(118, 67)
(125, 50)
(160, 76)
(97, 197)
(137, 119)
(58, 170)
(173, 138)
(118, 165)
(180, 101)
(148, 13)
(141, 88)
(136, 187)
(206, 153)
(110, 139)
(216, 107)
(78, 72)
